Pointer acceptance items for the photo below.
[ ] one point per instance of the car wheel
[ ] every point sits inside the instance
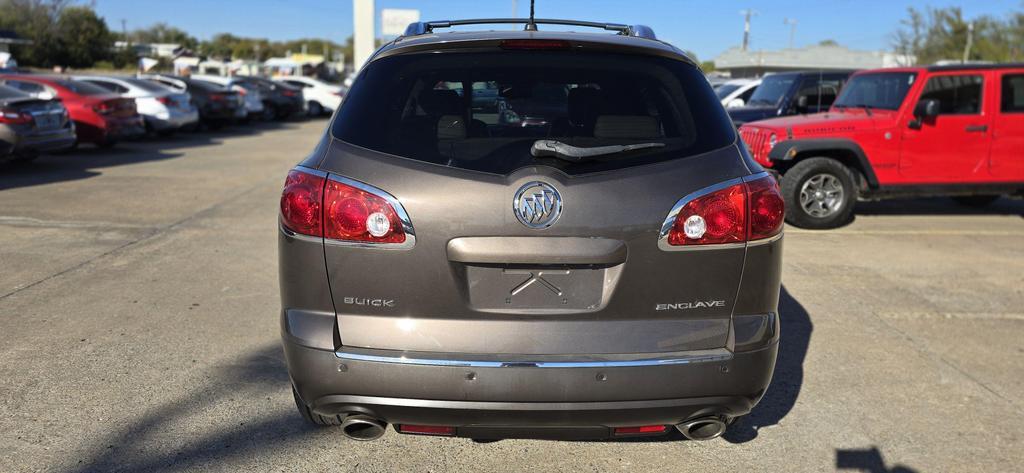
(975, 200)
(820, 193)
(315, 109)
(310, 416)
(106, 144)
(268, 112)
(24, 157)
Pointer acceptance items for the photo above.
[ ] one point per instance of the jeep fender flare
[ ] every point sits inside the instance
(788, 150)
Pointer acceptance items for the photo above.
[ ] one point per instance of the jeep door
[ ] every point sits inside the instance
(954, 145)
(1007, 157)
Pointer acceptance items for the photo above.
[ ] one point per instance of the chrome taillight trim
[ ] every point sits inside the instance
(670, 220)
(403, 216)
(523, 361)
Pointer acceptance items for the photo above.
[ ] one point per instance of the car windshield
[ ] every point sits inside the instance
(883, 90)
(82, 88)
(417, 106)
(725, 89)
(772, 90)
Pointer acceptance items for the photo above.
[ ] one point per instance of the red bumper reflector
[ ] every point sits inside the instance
(426, 429)
(643, 429)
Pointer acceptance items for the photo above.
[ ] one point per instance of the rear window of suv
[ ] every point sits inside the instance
(484, 111)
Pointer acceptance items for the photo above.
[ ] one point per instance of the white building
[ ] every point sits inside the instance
(739, 63)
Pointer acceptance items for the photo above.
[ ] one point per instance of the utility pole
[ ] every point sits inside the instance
(792, 29)
(746, 26)
(515, 8)
(124, 32)
(970, 42)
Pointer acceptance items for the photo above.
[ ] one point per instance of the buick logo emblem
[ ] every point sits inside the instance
(537, 205)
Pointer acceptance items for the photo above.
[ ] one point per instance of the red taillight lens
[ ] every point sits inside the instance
(643, 429)
(750, 210)
(301, 203)
(767, 209)
(427, 429)
(14, 117)
(717, 217)
(217, 97)
(353, 214)
(104, 108)
(534, 44)
(288, 93)
(164, 100)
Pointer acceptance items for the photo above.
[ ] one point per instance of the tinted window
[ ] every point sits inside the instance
(957, 95)
(82, 88)
(10, 92)
(484, 111)
(1013, 93)
(883, 90)
(27, 87)
(207, 86)
(820, 92)
(726, 89)
(107, 85)
(772, 90)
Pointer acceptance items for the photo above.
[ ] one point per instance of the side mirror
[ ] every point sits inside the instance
(927, 108)
(735, 103)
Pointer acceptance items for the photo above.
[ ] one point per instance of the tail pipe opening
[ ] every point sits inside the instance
(362, 427)
(703, 428)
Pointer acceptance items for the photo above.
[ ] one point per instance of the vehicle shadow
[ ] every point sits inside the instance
(75, 165)
(939, 206)
(789, 372)
(867, 460)
(254, 377)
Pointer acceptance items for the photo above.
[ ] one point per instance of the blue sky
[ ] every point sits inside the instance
(705, 27)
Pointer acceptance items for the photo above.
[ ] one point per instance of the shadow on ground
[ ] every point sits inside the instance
(88, 161)
(868, 461)
(254, 377)
(789, 373)
(939, 206)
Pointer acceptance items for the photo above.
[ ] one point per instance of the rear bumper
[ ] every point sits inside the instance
(530, 401)
(39, 142)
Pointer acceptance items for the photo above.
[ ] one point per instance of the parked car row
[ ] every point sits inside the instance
(834, 138)
(46, 113)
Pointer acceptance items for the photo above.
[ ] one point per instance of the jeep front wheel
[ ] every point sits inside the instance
(819, 193)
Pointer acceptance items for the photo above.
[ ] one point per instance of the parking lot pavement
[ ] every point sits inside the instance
(139, 331)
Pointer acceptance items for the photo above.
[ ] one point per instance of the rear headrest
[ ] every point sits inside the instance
(439, 102)
(639, 127)
(451, 127)
(584, 103)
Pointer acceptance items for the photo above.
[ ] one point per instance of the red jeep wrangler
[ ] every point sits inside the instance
(921, 131)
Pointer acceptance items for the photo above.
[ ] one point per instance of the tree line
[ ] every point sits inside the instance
(70, 35)
(64, 33)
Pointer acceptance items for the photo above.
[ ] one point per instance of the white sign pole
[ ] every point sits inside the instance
(363, 31)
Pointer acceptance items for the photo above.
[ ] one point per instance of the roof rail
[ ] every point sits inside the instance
(424, 27)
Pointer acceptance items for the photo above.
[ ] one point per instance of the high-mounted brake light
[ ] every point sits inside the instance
(733, 212)
(534, 44)
(343, 211)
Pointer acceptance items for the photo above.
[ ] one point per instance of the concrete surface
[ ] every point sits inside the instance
(138, 331)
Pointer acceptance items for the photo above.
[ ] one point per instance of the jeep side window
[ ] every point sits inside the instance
(957, 95)
(824, 90)
(1012, 94)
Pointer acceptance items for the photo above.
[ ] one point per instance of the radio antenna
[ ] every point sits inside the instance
(531, 26)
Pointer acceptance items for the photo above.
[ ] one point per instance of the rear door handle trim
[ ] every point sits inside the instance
(976, 128)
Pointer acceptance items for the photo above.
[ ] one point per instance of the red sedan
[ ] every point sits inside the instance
(100, 117)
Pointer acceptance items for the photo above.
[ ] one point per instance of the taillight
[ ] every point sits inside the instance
(767, 209)
(104, 108)
(343, 210)
(288, 93)
(217, 97)
(301, 203)
(14, 117)
(164, 100)
(734, 212)
(352, 213)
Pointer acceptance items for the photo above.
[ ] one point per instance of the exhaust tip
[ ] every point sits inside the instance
(703, 428)
(361, 427)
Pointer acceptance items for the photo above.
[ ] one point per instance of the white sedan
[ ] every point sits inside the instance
(736, 92)
(321, 97)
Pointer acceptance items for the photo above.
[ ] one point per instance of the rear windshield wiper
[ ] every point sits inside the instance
(573, 154)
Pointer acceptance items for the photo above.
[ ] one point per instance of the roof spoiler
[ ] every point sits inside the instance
(425, 27)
